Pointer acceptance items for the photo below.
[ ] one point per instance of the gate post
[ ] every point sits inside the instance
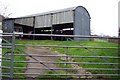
(12, 56)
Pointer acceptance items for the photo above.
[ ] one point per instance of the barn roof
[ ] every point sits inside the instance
(55, 11)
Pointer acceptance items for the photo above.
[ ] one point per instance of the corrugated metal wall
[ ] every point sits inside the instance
(8, 25)
(82, 22)
(1, 18)
(25, 21)
(48, 20)
(63, 17)
(0, 22)
(43, 21)
(52, 19)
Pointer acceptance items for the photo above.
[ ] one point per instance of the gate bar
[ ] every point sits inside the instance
(37, 55)
(73, 36)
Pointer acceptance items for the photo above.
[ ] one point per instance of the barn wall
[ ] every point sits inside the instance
(25, 21)
(1, 18)
(63, 17)
(81, 22)
(43, 21)
(54, 18)
(8, 25)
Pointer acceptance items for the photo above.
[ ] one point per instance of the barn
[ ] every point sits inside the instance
(70, 21)
(1, 18)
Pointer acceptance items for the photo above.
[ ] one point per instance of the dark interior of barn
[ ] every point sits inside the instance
(25, 29)
(61, 29)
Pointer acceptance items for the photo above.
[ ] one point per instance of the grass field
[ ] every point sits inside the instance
(75, 52)
(15, 64)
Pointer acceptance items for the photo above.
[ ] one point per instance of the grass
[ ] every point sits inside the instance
(55, 77)
(76, 52)
(17, 58)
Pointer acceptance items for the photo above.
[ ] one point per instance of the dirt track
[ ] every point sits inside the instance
(40, 51)
(46, 51)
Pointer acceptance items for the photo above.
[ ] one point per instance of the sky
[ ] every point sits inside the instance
(104, 13)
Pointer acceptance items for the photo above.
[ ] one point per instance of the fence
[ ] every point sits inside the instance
(94, 62)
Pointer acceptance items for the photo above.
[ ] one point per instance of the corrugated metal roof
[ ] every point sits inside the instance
(51, 12)
(47, 19)
(54, 11)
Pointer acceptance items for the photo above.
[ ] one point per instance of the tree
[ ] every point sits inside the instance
(3, 10)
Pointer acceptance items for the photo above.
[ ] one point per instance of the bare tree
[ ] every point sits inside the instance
(3, 10)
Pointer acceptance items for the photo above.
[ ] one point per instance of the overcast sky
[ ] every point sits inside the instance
(104, 13)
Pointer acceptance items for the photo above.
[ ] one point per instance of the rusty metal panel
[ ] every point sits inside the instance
(43, 21)
(63, 17)
(25, 21)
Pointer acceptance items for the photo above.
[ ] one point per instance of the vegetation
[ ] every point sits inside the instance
(76, 52)
(16, 58)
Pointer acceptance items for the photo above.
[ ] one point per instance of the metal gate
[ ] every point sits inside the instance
(71, 66)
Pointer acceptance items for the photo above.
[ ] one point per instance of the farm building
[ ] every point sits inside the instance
(1, 18)
(70, 21)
